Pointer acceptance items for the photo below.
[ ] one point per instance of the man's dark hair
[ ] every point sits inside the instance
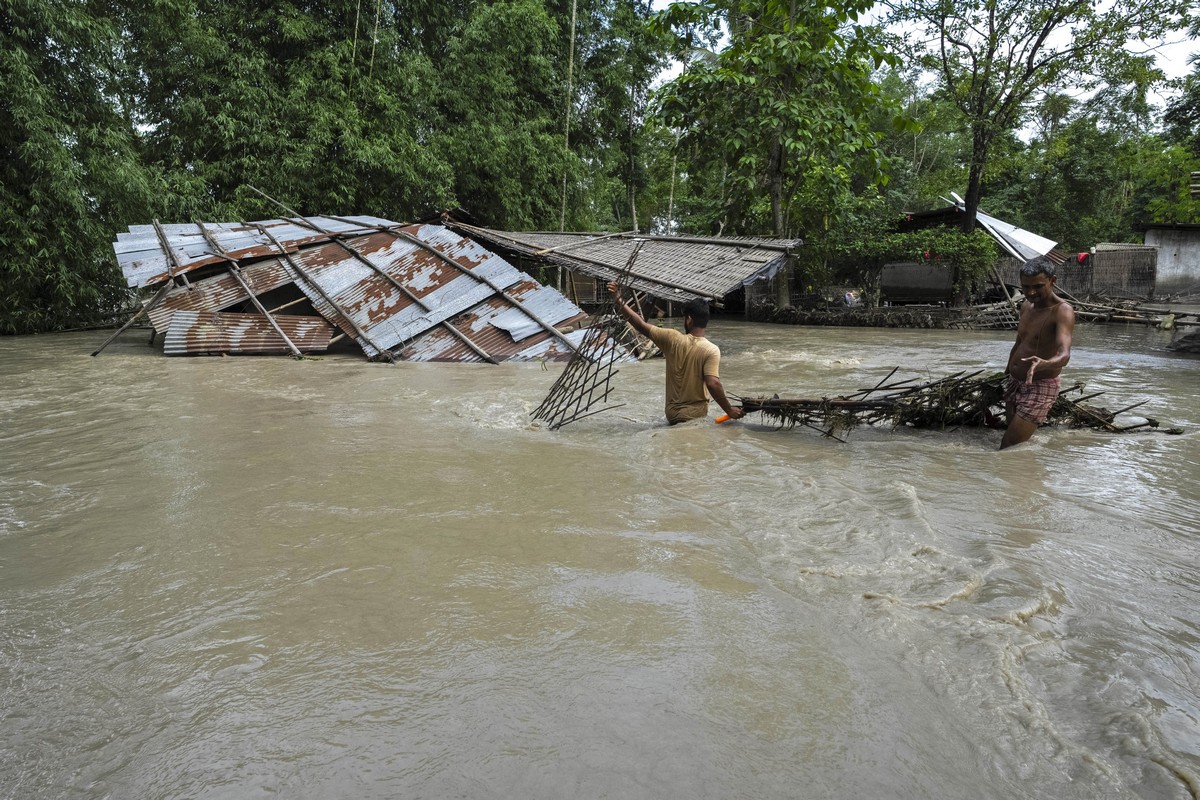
(697, 309)
(1038, 266)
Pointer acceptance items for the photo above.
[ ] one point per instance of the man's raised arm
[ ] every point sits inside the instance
(635, 319)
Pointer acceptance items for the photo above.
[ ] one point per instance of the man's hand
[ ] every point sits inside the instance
(1032, 367)
(614, 290)
(736, 413)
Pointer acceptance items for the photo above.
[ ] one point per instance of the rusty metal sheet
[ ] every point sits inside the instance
(546, 302)
(491, 326)
(439, 344)
(203, 332)
(363, 287)
(144, 262)
(219, 292)
(413, 291)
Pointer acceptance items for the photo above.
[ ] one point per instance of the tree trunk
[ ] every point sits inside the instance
(979, 150)
(775, 178)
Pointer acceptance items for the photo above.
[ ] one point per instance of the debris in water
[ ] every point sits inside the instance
(958, 400)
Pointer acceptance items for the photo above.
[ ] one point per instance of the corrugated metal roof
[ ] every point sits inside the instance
(1017, 242)
(362, 281)
(387, 285)
(145, 263)
(219, 291)
(501, 330)
(670, 267)
(203, 332)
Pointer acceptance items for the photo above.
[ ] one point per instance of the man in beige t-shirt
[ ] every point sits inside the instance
(693, 362)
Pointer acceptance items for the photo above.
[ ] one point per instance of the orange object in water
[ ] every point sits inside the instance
(723, 418)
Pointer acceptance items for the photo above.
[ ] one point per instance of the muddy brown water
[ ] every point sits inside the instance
(257, 577)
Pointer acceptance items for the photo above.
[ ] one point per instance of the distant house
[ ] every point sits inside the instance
(908, 282)
(1178, 246)
(1109, 270)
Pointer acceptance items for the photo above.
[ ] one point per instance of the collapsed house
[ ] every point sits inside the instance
(674, 269)
(411, 292)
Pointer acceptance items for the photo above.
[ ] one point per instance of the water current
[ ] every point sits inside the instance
(259, 577)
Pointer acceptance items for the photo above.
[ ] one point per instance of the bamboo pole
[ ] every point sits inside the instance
(235, 271)
(145, 309)
(383, 351)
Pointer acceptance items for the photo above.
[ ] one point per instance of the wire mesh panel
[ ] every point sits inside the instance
(586, 382)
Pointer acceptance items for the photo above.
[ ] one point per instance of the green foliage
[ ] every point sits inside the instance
(928, 157)
(324, 116)
(782, 121)
(1182, 117)
(996, 58)
(1164, 180)
(497, 127)
(1083, 181)
(70, 171)
(784, 112)
(972, 254)
(614, 144)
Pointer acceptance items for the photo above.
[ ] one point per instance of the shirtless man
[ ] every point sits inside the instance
(693, 362)
(1042, 349)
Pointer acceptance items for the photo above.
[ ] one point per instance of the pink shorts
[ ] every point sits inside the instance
(1032, 401)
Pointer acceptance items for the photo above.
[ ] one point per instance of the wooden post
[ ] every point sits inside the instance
(143, 310)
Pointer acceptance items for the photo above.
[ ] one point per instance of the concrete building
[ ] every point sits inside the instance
(1178, 246)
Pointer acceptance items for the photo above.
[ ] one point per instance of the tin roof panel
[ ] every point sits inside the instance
(144, 262)
(413, 290)
(203, 332)
(219, 291)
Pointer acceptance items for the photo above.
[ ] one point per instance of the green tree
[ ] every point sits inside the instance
(781, 112)
(70, 171)
(315, 104)
(996, 58)
(927, 159)
(498, 125)
(618, 58)
(1163, 188)
(1182, 117)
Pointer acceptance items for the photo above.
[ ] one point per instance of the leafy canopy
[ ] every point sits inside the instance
(784, 107)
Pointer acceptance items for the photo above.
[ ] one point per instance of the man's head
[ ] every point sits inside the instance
(1038, 276)
(695, 314)
(1040, 265)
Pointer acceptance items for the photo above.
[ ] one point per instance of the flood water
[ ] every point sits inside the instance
(257, 577)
